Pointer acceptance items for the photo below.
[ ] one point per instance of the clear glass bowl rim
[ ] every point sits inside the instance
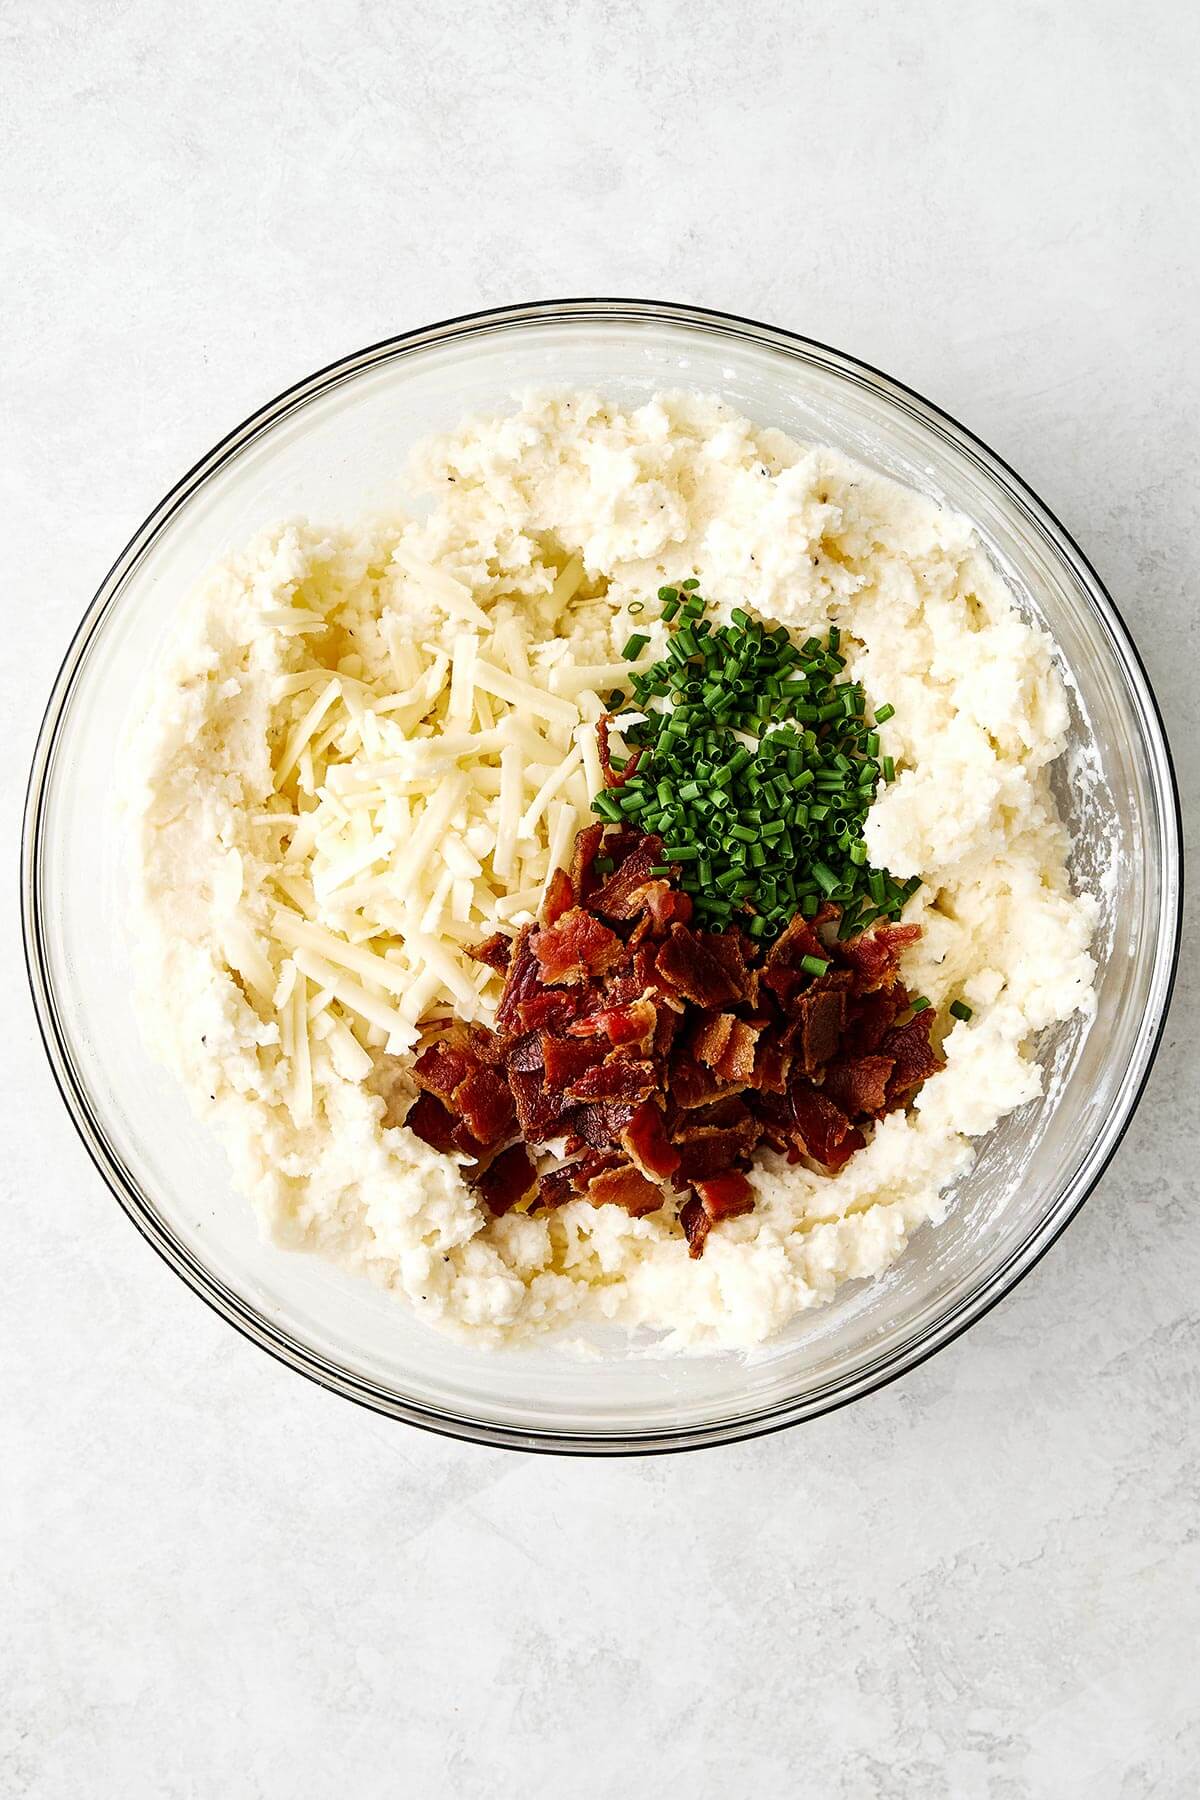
(277, 1342)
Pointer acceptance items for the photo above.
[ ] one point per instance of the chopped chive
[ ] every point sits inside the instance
(920, 1003)
(961, 1010)
(814, 965)
(883, 714)
(760, 768)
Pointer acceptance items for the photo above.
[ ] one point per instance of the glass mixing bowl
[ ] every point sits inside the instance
(334, 446)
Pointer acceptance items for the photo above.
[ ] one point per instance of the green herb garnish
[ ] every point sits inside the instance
(758, 769)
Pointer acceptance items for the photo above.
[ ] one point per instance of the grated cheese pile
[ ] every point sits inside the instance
(419, 821)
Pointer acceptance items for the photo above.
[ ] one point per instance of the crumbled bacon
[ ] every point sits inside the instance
(434, 1124)
(725, 1196)
(556, 1187)
(914, 1056)
(727, 1044)
(444, 1065)
(485, 1102)
(620, 895)
(696, 1226)
(539, 1108)
(617, 1078)
(587, 848)
(874, 956)
(551, 1010)
(825, 1133)
(858, 1084)
(574, 947)
(626, 1187)
(708, 1150)
(694, 969)
(560, 897)
(566, 1058)
(645, 1138)
(495, 951)
(691, 1084)
(506, 1180)
(522, 981)
(819, 1018)
(660, 1056)
(602, 1123)
(631, 1023)
(613, 777)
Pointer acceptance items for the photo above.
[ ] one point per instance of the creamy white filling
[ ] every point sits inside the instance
(801, 536)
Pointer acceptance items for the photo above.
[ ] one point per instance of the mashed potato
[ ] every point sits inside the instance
(553, 520)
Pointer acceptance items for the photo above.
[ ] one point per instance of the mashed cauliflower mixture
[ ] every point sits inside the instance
(374, 746)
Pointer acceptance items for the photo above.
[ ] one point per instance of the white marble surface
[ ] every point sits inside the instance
(219, 1581)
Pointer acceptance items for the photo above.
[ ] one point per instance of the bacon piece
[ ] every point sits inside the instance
(777, 1117)
(524, 979)
(826, 1134)
(539, 1109)
(711, 1036)
(730, 1110)
(443, 1065)
(506, 1180)
(646, 1142)
(871, 1015)
(429, 1120)
(631, 1023)
(732, 950)
(485, 1104)
(915, 1057)
(620, 987)
(565, 1059)
(726, 1196)
(736, 1060)
(601, 1123)
(662, 906)
(620, 897)
(617, 1078)
(560, 897)
(691, 1084)
(613, 777)
(577, 946)
(665, 1026)
(726, 1043)
(875, 955)
(524, 1053)
(858, 1084)
(782, 972)
(708, 1150)
(551, 1009)
(494, 951)
(587, 848)
(696, 1226)
(626, 1187)
(772, 1065)
(819, 1019)
(687, 963)
(557, 1186)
